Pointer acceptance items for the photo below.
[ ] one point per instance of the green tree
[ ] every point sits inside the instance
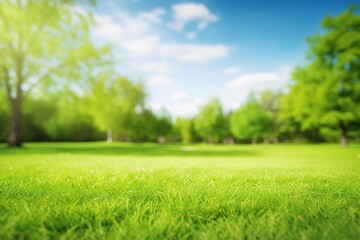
(270, 102)
(4, 115)
(210, 122)
(289, 125)
(143, 126)
(228, 137)
(114, 102)
(326, 92)
(184, 127)
(250, 121)
(66, 118)
(163, 126)
(148, 126)
(42, 43)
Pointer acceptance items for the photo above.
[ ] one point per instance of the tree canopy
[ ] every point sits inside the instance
(113, 102)
(326, 92)
(43, 43)
(210, 121)
(250, 121)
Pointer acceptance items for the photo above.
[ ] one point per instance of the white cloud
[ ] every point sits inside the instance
(254, 80)
(79, 10)
(202, 25)
(136, 26)
(185, 108)
(153, 16)
(145, 45)
(137, 37)
(234, 105)
(184, 13)
(191, 35)
(107, 29)
(240, 87)
(161, 67)
(179, 96)
(155, 106)
(195, 52)
(231, 71)
(159, 80)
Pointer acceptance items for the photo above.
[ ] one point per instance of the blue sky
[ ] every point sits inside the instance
(186, 52)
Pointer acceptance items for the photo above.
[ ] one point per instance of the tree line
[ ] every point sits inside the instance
(58, 85)
(263, 118)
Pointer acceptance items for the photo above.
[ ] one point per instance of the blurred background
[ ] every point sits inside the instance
(179, 71)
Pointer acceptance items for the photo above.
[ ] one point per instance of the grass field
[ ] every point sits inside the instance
(148, 191)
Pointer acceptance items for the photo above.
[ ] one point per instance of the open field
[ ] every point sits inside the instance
(148, 191)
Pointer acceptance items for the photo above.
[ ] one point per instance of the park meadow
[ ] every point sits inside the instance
(151, 191)
(194, 119)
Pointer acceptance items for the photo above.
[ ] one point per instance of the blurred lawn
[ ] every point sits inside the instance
(150, 191)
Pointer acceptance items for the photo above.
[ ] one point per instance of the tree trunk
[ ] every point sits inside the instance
(253, 141)
(161, 140)
(344, 138)
(14, 139)
(122, 137)
(109, 137)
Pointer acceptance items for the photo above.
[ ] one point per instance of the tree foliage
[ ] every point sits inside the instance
(43, 43)
(184, 128)
(326, 92)
(210, 122)
(250, 121)
(113, 102)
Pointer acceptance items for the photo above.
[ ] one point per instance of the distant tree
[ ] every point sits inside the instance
(42, 43)
(184, 127)
(65, 118)
(210, 122)
(148, 126)
(290, 127)
(250, 121)
(163, 126)
(36, 115)
(113, 102)
(227, 135)
(326, 92)
(144, 126)
(4, 116)
(270, 101)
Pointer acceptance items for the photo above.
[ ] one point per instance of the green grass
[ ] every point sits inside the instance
(148, 191)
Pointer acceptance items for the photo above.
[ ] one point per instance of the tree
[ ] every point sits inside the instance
(250, 121)
(184, 127)
(4, 115)
(290, 124)
(113, 102)
(66, 118)
(326, 92)
(228, 138)
(42, 43)
(142, 126)
(163, 126)
(145, 125)
(210, 122)
(270, 101)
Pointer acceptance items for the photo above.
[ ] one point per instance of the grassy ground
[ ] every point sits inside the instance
(146, 191)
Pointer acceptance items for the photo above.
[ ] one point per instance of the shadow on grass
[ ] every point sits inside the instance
(132, 149)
